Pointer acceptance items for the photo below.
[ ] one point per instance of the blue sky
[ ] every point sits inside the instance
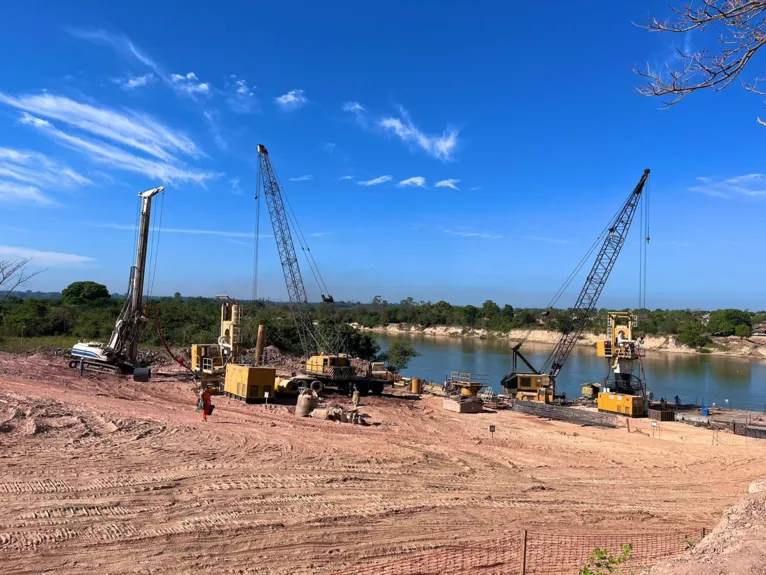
(434, 149)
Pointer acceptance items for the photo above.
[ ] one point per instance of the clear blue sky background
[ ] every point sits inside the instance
(525, 113)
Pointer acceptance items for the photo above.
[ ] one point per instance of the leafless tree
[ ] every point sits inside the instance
(14, 274)
(741, 29)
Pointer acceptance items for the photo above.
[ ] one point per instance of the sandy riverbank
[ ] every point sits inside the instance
(730, 346)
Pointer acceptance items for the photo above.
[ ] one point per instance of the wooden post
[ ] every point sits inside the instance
(259, 344)
(704, 532)
(523, 552)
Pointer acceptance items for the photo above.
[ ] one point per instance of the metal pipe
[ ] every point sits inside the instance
(259, 344)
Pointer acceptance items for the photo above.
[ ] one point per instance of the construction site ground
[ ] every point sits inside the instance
(103, 475)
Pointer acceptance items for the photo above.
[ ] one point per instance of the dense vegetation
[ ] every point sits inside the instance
(86, 310)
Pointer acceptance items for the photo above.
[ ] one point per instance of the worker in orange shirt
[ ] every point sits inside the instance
(205, 403)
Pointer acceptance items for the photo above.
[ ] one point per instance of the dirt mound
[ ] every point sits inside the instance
(737, 546)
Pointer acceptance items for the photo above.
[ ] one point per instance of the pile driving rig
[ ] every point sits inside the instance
(120, 354)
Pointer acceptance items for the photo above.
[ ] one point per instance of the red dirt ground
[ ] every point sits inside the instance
(103, 475)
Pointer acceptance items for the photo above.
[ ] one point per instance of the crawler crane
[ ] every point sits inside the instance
(540, 385)
(324, 366)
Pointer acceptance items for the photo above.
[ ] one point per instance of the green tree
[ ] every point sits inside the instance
(725, 321)
(692, 333)
(398, 356)
(743, 331)
(85, 293)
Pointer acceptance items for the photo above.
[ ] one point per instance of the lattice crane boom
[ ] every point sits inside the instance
(301, 310)
(596, 280)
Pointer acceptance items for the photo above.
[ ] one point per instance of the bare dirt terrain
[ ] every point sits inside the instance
(103, 475)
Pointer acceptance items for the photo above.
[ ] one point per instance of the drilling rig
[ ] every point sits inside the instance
(324, 366)
(622, 391)
(540, 385)
(120, 354)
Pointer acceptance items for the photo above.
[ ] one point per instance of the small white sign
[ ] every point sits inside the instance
(266, 394)
(654, 424)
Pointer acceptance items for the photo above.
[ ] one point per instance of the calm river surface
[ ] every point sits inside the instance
(695, 378)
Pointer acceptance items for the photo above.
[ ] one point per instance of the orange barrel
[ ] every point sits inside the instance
(416, 385)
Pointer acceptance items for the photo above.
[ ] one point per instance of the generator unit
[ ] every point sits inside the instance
(623, 404)
(249, 383)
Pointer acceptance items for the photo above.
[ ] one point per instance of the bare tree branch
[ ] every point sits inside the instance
(741, 27)
(14, 274)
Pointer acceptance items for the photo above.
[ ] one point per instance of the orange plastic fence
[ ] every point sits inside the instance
(531, 553)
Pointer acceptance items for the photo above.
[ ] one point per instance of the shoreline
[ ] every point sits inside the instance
(724, 346)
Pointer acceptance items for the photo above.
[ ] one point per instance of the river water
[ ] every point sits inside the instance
(694, 377)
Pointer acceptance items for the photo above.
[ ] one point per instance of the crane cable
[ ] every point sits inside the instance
(256, 242)
(154, 254)
(302, 242)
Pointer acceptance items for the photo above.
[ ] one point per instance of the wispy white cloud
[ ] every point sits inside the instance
(12, 192)
(23, 172)
(129, 128)
(49, 259)
(115, 157)
(451, 183)
(213, 120)
(301, 178)
(36, 168)
(241, 98)
(321, 234)
(222, 233)
(544, 239)
(415, 181)
(235, 187)
(134, 82)
(467, 234)
(329, 147)
(120, 43)
(747, 186)
(190, 84)
(473, 189)
(353, 107)
(184, 84)
(346, 178)
(375, 181)
(293, 100)
(441, 147)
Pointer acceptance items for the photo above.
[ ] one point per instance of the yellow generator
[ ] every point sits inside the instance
(248, 383)
(623, 404)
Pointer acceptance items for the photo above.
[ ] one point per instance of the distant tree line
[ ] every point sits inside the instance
(87, 310)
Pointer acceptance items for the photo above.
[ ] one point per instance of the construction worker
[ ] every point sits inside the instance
(82, 366)
(355, 398)
(205, 403)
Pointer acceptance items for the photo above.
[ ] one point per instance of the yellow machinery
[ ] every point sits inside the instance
(622, 392)
(333, 367)
(465, 384)
(209, 360)
(630, 405)
(590, 390)
(249, 383)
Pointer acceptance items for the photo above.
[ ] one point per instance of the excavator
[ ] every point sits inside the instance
(539, 385)
(120, 354)
(324, 365)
